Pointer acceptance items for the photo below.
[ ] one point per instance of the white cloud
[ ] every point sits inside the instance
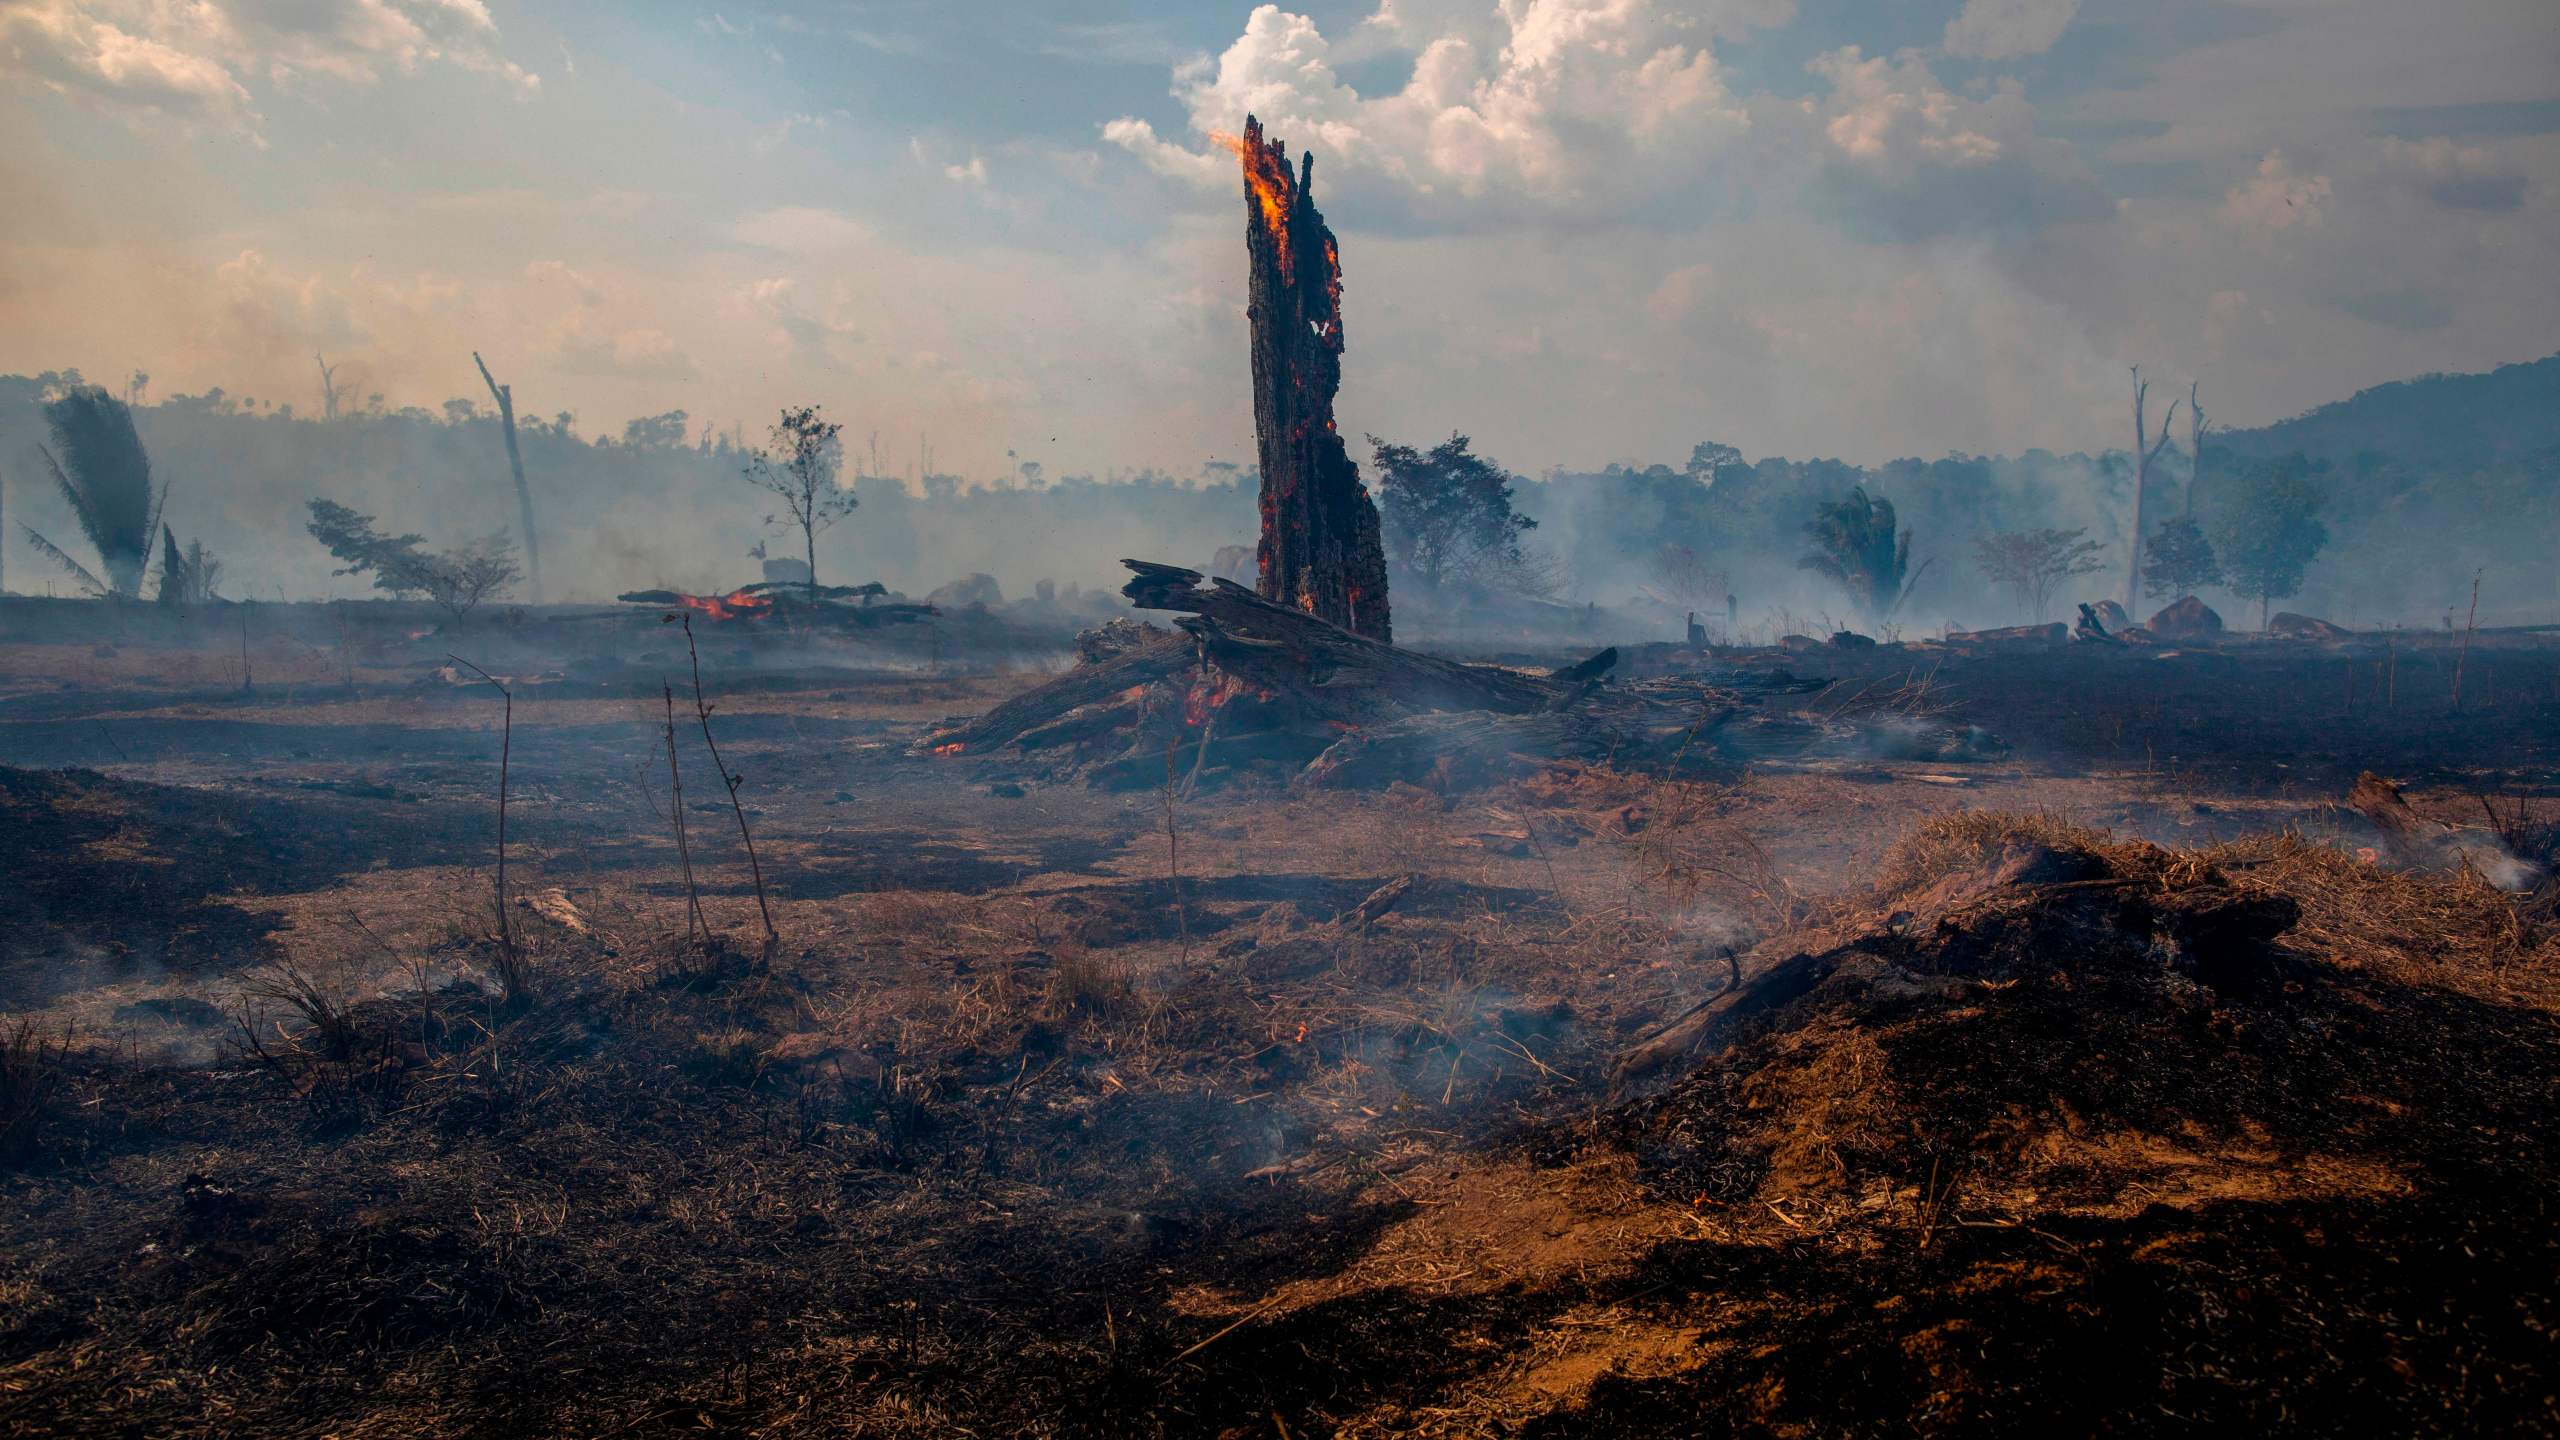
(196, 59)
(1907, 158)
(2276, 198)
(2008, 29)
(640, 353)
(1526, 106)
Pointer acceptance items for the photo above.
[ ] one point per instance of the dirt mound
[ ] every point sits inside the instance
(2038, 1068)
(2039, 1009)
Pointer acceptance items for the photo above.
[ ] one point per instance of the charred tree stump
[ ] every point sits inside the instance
(1320, 550)
(505, 395)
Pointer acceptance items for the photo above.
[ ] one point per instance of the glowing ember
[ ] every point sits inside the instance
(736, 605)
(954, 748)
(1206, 697)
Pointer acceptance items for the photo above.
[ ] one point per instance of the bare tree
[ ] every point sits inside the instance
(328, 387)
(1684, 581)
(800, 467)
(506, 397)
(2032, 562)
(2142, 457)
(459, 579)
(2196, 426)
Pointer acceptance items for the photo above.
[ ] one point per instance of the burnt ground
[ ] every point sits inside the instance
(2105, 1087)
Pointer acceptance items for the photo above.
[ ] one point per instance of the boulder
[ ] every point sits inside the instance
(2291, 626)
(1851, 640)
(2111, 615)
(2189, 619)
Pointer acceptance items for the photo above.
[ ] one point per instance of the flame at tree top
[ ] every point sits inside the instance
(1268, 184)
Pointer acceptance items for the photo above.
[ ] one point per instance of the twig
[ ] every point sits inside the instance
(694, 924)
(1173, 850)
(755, 867)
(511, 974)
(2468, 624)
(1239, 1323)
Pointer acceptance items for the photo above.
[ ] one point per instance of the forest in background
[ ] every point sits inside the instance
(2420, 484)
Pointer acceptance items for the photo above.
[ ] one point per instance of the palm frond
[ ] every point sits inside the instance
(98, 461)
(54, 553)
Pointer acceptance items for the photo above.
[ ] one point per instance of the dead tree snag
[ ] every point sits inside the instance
(505, 395)
(1320, 549)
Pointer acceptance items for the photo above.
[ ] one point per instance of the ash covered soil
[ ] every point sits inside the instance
(2121, 1083)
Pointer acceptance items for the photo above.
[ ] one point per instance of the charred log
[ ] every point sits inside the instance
(1320, 551)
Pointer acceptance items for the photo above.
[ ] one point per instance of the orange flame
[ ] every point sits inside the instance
(1206, 697)
(954, 748)
(1267, 182)
(736, 605)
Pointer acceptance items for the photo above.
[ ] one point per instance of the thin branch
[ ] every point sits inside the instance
(755, 867)
(511, 975)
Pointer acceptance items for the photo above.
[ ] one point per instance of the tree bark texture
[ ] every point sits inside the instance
(1320, 551)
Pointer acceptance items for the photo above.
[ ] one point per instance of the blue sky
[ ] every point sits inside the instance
(1580, 230)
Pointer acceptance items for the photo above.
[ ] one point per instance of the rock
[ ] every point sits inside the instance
(2188, 619)
(1798, 643)
(2111, 615)
(2307, 627)
(784, 570)
(1851, 640)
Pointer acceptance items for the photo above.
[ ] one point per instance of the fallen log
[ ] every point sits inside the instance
(1243, 685)
(1342, 675)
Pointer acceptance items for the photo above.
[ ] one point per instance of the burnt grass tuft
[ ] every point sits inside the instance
(2066, 1132)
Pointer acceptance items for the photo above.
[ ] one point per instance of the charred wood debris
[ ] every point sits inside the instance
(792, 604)
(1296, 679)
(1241, 687)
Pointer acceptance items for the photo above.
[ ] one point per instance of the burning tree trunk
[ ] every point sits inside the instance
(506, 398)
(1320, 549)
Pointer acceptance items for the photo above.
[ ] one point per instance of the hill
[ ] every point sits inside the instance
(2456, 421)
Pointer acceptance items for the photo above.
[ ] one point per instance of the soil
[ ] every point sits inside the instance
(2118, 1083)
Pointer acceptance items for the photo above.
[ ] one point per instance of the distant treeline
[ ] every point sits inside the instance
(2424, 483)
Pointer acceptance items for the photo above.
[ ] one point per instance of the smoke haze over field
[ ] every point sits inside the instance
(1000, 242)
(1573, 228)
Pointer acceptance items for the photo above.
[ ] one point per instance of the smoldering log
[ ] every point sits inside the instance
(1320, 550)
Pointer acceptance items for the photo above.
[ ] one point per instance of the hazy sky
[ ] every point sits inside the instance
(1577, 229)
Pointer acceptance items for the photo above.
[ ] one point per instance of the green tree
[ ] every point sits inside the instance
(1855, 543)
(1447, 513)
(2271, 531)
(2032, 562)
(799, 466)
(457, 579)
(99, 464)
(2179, 560)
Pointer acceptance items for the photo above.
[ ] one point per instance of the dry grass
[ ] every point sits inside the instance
(31, 1075)
(1969, 839)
